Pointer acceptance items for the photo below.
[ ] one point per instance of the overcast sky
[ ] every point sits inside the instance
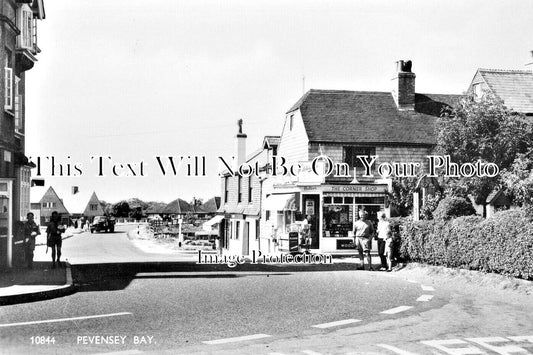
(136, 79)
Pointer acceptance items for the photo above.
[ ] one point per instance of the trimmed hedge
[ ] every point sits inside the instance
(502, 244)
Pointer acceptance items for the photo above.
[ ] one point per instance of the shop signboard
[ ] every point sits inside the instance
(345, 244)
(355, 188)
(293, 242)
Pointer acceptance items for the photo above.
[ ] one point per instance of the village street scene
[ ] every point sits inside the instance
(277, 178)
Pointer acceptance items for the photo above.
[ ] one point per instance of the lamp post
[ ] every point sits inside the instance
(180, 235)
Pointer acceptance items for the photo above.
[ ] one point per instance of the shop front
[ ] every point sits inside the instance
(334, 210)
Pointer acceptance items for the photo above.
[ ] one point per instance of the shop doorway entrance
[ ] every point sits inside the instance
(311, 205)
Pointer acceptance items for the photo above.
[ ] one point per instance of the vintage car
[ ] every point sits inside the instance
(103, 223)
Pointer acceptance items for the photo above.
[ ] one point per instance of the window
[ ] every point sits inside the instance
(49, 205)
(8, 87)
(239, 189)
(25, 176)
(291, 122)
(256, 229)
(27, 26)
(18, 107)
(237, 229)
(351, 154)
(226, 189)
(93, 207)
(250, 189)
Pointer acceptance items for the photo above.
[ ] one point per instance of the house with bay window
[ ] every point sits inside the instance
(18, 51)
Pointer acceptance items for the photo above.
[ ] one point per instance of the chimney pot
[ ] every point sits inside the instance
(403, 90)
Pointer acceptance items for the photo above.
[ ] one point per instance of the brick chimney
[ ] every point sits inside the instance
(241, 145)
(403, 89)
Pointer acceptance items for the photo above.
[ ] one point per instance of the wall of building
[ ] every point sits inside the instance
(294, 143)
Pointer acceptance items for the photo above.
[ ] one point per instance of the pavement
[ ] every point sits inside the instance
(19, 285)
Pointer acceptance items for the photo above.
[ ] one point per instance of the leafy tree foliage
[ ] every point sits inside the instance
(518, 179)
(121, 209)
(485, 130)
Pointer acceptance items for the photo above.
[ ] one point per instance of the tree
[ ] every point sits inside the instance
(121, 209)
(519, 179)
(483, 130)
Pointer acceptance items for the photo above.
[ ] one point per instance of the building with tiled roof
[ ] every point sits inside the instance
(514, 87)
(178, 207)
(340, 127)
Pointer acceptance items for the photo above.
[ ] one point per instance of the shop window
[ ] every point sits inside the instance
(351, 154)
(327, 199)
(337, 200)
(237, 229)
(338, 220)
(348, 200)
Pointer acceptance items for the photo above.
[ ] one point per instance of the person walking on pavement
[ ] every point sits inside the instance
(364, 231)
(53, 238)
(31, 230)
(383, 234)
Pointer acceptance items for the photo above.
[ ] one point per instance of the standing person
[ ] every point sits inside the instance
(388, 249)
(364, 231)
(383, 234)
(31, 230)
(53, 238)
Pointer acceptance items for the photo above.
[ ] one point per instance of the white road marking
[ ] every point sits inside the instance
(336, 324)
(395, 349)
(397, 310)
(276, 354)
(522, 338)
(424, 298)
(65, 319)
(504, 350)
(236, 339)
(125, 352)
(310, 352)
(442, 345)
(412, 281)
(427, 288)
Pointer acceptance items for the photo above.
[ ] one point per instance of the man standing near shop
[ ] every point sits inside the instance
(53, 238)
(364, 231)
(383, 234)
(31, 230)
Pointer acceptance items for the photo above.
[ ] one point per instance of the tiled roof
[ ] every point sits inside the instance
(210, 206)
(369, 117)
(178, 206)
(514, 87)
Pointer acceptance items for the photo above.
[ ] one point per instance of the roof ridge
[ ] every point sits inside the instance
(510, 71)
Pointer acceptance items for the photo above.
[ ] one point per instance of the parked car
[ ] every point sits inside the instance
(103, 223)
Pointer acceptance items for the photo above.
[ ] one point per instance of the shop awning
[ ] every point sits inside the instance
(281, 202)
(213, 221)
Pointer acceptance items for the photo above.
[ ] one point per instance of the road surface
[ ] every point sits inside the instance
(127, 302)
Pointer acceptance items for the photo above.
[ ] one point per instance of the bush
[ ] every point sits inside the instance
(502, 244)
(452, 207)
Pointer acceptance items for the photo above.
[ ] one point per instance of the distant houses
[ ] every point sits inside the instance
(76, 204)
(70, 206)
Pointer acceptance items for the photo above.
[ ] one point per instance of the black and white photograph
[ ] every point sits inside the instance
(281, 177)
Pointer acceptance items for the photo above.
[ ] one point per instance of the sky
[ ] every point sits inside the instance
(137, 79)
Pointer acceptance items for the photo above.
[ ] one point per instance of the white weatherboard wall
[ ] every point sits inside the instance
(294, 144)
